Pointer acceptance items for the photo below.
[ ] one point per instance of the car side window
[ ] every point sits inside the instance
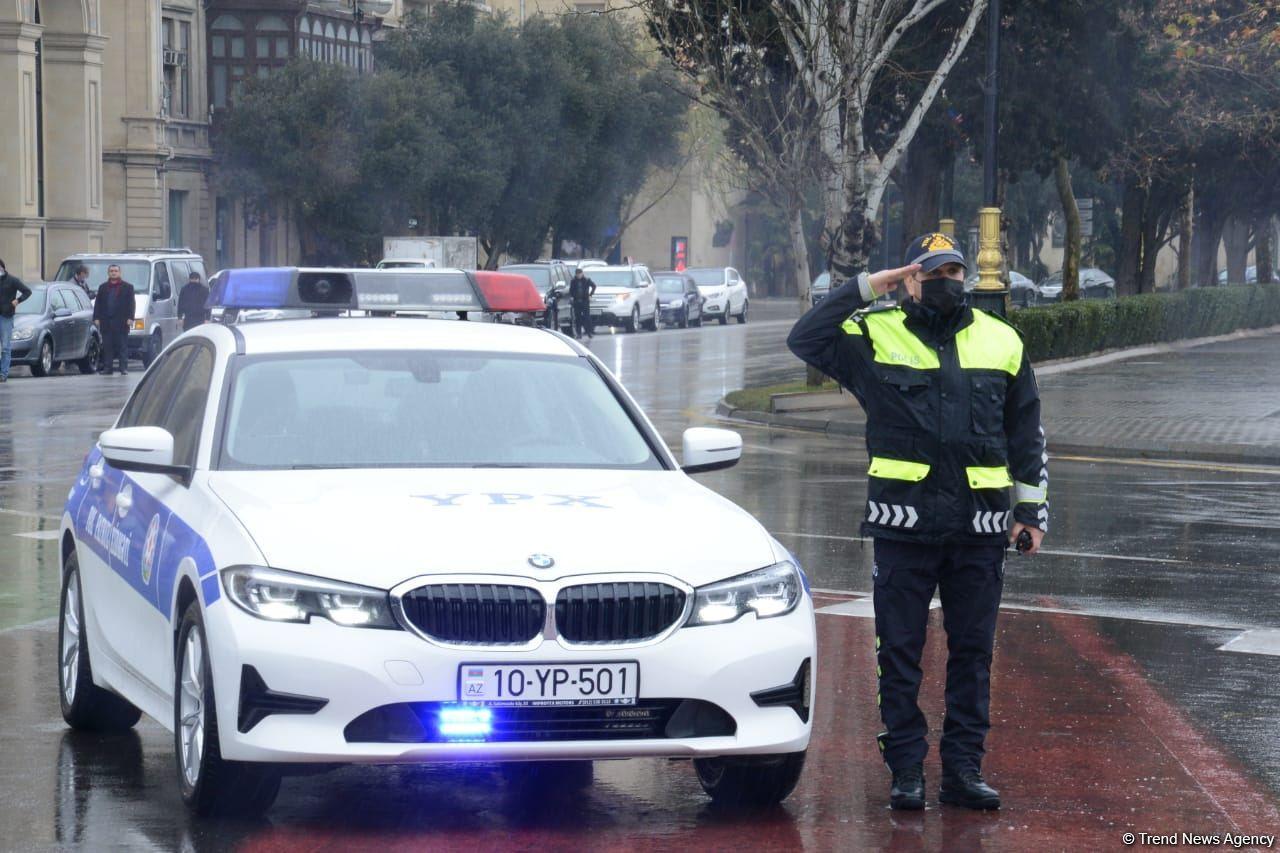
(59, 300)
(82, 300)
(180, 271)
(151, 400)
(198, 266)
(186, 415)
(162, 289)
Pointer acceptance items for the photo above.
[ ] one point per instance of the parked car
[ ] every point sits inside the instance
(820, 288)
(1094, 284)
(724, 290)
(552, 280)
(625, 296)
(55, 325)
(679, 300)
(1023, 292)
(405, 264)
(156, 275)
(1250, 275)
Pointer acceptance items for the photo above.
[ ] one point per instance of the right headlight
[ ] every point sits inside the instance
(772, 591)
(279, 596)
(24, 334)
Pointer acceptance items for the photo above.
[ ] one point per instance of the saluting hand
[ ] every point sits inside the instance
(882, 281)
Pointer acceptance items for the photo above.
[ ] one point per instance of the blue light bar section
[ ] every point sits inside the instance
(255, 287)
(464, 722)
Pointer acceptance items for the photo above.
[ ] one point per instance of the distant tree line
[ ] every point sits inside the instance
(468, 125)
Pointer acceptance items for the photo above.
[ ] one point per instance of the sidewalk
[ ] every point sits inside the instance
(1216, 402)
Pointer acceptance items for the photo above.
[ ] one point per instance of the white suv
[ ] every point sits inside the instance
(156, 275)
(625, 296)
(724, 291)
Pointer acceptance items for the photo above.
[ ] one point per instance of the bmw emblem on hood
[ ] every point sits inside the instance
(541, 561)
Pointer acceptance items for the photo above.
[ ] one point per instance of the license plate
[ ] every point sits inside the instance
(612, 683)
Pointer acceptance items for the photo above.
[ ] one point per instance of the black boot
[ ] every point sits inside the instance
(907, 792)
(968, 789)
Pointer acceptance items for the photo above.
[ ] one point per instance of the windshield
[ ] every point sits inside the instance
(426, 409)
(611, 278)
(35, 304)
(137, 273)
(541, 275)
(706, 277)
(672, 285)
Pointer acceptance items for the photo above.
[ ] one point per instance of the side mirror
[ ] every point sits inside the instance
(146, 448)
(59, 313)
(707, 449)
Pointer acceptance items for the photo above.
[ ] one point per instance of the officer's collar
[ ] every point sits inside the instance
(922, 318)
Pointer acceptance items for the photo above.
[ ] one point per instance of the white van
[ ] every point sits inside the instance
(157, 276)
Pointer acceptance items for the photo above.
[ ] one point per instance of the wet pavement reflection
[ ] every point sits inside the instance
(1114, 708)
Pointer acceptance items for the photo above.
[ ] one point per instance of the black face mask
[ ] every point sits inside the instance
(944, 295)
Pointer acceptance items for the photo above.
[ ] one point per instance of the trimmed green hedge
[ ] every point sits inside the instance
(1070, 329)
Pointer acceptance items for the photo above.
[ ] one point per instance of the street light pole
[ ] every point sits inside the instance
(990, 293)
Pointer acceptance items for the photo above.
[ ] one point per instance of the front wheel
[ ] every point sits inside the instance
(149, 352)
(633, 322)
(684, 318)
(742, 318)
(210, 784)
(43, 365)
(85, 705)
(89, 363)
(654, 323)
(755, 780)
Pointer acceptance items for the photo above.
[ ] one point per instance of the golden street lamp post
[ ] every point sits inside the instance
(990, 293)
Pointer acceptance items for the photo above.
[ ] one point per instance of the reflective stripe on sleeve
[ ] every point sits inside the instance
(1025, 494)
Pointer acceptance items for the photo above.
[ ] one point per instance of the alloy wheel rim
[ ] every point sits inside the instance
(191, 707)
(46, 357)
(70, 655)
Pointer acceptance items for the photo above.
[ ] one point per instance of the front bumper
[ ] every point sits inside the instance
(672, 315)
(358, 670)
(22, 352)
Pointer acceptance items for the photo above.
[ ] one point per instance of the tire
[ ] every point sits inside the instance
(85, 705)
(154, 344)
(210, 785)
(724, 316)
(684, 318)
(698, 322)
(655, 322)
(633, 322)
(742, 318)
(752, 781)
(89, 364)
(43, 365)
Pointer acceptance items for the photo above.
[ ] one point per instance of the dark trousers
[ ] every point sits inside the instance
(970, 578)
(115, 345)
(582, 322)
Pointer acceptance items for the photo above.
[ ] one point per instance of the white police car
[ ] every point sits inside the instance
(410, 540)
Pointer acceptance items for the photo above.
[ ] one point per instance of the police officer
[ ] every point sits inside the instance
(953, 425)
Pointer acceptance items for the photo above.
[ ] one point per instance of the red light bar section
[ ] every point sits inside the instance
(508, 292)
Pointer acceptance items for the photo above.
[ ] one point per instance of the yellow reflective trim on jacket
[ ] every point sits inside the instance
(897, 469)
(989, 344)
(851, 327)
(894, 343)
(988, 478)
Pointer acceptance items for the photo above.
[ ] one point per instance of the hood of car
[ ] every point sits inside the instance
(611, 290)
(24, 321)
(381, 527)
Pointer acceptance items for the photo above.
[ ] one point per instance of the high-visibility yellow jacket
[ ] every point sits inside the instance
(956, 448)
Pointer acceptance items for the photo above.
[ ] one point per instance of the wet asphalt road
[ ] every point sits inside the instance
(1114, 707)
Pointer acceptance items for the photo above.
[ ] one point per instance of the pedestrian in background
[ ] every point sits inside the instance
(81, 277)
(581, 289)
(12, 291)
(953, 424)
(191, 302)
(113, 315)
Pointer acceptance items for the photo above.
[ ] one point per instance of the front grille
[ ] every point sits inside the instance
(416, 722)
(483, 614)
(617, 612)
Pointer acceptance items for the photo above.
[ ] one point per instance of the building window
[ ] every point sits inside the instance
(177, 203)
(226, 41)
(177, 67)
(222, 232)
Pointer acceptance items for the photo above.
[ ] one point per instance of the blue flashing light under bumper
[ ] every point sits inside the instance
(464, 722)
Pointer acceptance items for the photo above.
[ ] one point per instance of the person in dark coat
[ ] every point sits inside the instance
(12, 291)
(113, 314)
(581, 289)
(191, 303)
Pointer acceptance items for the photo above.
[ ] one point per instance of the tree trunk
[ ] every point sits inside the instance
(1071, 245)
(921, 189)
(1132, 230)
(1186, 239)
(1264, 257)
(1151, 234)
(1235, 237)
(1208, 234)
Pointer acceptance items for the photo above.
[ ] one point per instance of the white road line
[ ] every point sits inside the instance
(1259, 641)
(1042, 550)
(26, 514)
(39, 534)
(42, 625)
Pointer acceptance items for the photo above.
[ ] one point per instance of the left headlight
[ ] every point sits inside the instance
(287, 597)
(24, 334)
(622, 297)
(773, 591)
